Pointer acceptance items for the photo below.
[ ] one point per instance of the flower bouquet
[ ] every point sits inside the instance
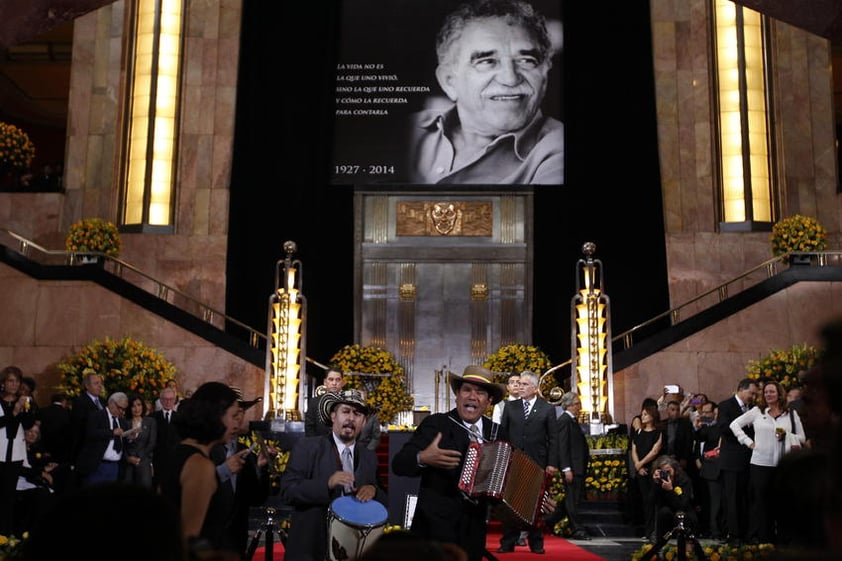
(126, 365)
(784, 366)
(16, 149)
(799, 234)
(94, 235)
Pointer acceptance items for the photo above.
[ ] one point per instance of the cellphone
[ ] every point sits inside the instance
(671, 388)
(696, 401)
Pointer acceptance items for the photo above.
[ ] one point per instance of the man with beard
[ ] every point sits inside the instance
(315, 476)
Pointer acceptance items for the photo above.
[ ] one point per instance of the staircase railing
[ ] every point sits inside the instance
(142, 280)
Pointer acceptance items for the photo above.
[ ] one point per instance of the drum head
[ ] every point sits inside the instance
(358, 513)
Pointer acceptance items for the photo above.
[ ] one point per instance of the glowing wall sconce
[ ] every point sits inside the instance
(744, 138)
(285, 353)
(153, 108)
(592, 371)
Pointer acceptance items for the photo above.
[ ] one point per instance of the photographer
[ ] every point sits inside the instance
(673, 492)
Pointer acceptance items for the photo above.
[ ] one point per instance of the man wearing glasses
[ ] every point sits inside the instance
(100, 459)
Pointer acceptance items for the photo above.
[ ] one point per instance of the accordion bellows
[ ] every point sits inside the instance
(499, 471)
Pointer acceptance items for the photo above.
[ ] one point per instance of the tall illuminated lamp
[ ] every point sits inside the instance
(593, 376)
(285, 353)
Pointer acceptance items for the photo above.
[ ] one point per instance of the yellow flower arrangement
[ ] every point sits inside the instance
(126, 365)
(94, 234)
(279, 462)
(11, 547)
(784, 366)
(388, 395)
(16, 149)
(797, 233)
(723, 552)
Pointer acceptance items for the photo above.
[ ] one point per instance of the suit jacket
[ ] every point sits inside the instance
(142, 446)
(304, 487)
(166, 441)
(537, 434)
(313, 426)
(252, 489)
(733, 456)
(83, 406)
(682, 448)
(573, 450)
(98, 433)
(442, 512)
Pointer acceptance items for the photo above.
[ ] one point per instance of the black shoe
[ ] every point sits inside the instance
(505, 550)
(580, 535)
(538, 550)
(520, 541)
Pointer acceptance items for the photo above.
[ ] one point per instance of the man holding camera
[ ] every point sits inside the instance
(673, 494)
(706, 452)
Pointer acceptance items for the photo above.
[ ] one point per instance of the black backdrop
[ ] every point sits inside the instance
(282, 155)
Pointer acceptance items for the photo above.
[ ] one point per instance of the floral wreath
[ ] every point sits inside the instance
(387, 395)
(94, 234)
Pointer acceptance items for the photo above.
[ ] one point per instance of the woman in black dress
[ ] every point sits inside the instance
(646, 446)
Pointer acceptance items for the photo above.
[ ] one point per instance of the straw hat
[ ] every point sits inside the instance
(481, 377)
(348, 397)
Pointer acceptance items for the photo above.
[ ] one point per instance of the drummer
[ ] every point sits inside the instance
(314, 476)
(435, 452)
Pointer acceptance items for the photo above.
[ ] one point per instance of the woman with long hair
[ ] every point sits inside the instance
(776, 430)
(646, 446)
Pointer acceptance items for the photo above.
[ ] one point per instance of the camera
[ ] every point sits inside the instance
(661, 476)
(705, 420)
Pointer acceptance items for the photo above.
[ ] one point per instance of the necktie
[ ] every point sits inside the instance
(347, 464)
(167, 415)
(97, 403)
(118, 442)
(525, 408)
(744, 407)
(474, 433)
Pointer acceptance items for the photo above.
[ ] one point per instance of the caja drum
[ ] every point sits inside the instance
(352, 526)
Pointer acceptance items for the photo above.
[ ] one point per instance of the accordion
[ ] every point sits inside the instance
(499, 471)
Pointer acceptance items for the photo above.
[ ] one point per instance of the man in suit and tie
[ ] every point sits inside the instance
(88, 401)
(167, 437)
(435, 452)
(324, 468)
(573, 455)
(531, 426)
(100, 457)
(734, 459)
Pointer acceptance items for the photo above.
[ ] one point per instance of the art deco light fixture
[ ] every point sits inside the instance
(152, 109)
(744, 128)
(285, 353)
(592, 371)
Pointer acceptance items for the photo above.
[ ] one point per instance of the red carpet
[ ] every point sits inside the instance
(556, 548)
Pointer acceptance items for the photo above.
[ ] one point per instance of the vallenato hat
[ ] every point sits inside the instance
(348, 397)
(481, 377)
(243, 403)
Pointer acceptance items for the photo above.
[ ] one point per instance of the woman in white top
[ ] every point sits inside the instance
(775, 430)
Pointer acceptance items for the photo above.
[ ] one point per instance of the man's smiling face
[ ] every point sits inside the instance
(496, 76)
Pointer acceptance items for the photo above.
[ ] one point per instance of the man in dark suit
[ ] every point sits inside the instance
(531, 425)
(678, 437)
(167, 437)
(88, 401)
(315, 476)
(435, 452)
(55, 427)
(101, 455)
(573, 455)
(333, 382)
(734, 459)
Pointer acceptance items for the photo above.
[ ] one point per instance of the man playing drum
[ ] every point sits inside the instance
(315, 478)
